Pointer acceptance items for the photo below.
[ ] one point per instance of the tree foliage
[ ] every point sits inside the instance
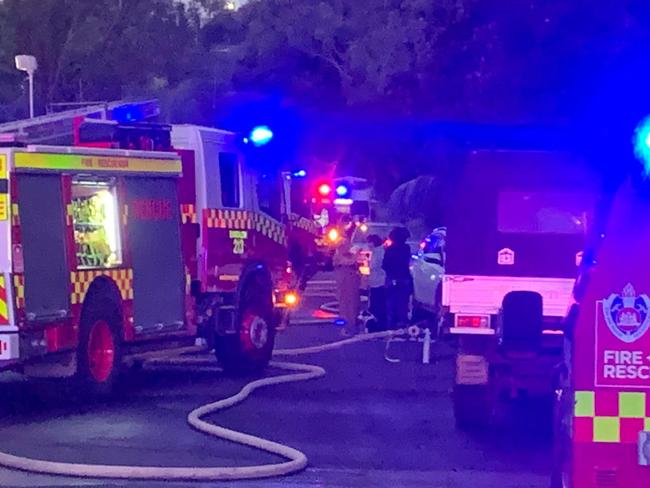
(350, 65)
(507, 60)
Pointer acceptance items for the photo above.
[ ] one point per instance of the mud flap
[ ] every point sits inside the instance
(471, 370)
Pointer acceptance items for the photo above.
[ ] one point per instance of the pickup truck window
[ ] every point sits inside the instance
(543, 212)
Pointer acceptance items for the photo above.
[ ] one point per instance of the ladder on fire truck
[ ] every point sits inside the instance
(59, 127)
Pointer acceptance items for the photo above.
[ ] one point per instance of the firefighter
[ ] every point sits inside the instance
(348, 282)
(399, 284)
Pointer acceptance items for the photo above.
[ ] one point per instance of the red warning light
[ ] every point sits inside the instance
(324, 189)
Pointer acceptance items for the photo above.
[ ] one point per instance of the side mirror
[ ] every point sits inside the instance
(433, 258)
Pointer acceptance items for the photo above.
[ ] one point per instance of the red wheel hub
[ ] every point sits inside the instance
(101, 351)
(254, 331)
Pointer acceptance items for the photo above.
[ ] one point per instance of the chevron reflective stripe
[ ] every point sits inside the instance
(611, 416)
(246, 220)
(305, 224)
(15, 218)
(270, 228)
(229, 219)
(19, 290)
(69, 214)
(4, 306)
(81, 280)
(188, 213)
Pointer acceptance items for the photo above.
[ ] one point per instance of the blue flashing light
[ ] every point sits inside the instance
(299, 174)
(342, 190)
(261, 135)
(127, 113)
(642, 143)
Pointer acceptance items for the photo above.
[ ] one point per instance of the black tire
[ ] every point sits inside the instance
(99, 355)
(249, 350)
(473, 407)
(420, 314)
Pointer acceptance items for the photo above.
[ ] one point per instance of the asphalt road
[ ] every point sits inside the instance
(367, 423)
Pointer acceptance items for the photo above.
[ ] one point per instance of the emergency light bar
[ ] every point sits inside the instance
(324, 189)
(342, 190)
(642, 144)
(261, 135)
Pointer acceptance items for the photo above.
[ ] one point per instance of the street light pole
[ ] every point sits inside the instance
(28, 63)
(30, 75)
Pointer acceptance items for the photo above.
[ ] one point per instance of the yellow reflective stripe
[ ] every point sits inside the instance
(607, 429)
(4, 169)
(631, 405)
(4, 312)
(81, 281)
(86, 162)
(4, 206)
(585, 404)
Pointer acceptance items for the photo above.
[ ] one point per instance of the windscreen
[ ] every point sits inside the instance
(361, 237)
(543, 212)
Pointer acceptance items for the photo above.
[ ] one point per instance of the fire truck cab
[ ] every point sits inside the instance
(236, 243)
(118, 244)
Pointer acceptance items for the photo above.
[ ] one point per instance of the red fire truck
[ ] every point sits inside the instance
(112, 253)
(602, 428)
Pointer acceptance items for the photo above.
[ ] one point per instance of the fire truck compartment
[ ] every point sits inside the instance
(86, 214)
(47, 272)
(155, 244)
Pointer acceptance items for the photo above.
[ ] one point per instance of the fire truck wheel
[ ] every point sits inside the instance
(250, 349)
(472, 406)
(99, 351)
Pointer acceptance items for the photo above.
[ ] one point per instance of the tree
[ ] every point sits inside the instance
(355, 52)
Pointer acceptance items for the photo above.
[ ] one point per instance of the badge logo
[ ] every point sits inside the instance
(627, 314)
(506, 257)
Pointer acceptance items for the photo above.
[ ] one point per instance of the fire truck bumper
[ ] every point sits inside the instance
(9, 349)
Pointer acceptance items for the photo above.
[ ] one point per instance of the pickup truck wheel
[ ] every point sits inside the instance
(250, 348)
(472, 406)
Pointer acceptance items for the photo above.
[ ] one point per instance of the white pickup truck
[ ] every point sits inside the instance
(515, 237)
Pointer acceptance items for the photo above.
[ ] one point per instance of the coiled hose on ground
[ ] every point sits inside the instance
(295, 459)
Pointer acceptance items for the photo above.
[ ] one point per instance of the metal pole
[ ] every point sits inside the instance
(426, 347)
(31, 94)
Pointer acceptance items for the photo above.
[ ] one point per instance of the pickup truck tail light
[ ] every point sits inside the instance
(476, 321)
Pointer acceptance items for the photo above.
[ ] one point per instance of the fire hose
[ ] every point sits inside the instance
(295, 459)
